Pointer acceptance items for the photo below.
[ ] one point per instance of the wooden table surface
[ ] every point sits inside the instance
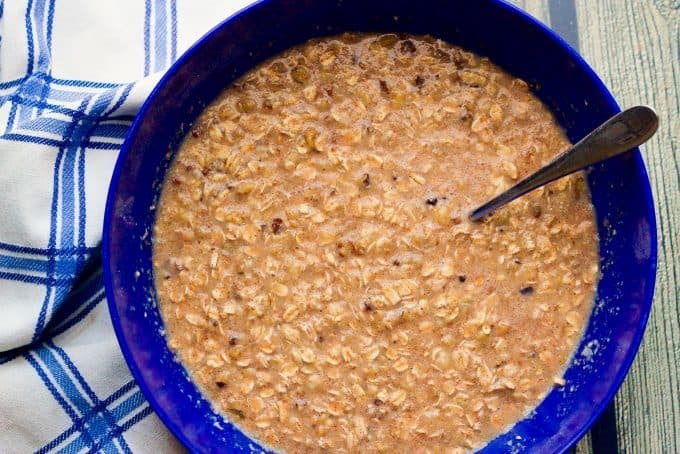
(634, 46)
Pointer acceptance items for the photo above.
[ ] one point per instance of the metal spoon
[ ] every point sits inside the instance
(617, 135)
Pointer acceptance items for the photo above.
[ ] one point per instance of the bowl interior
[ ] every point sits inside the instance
(620, 192)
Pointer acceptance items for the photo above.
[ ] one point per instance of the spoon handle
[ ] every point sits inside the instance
(620, 133)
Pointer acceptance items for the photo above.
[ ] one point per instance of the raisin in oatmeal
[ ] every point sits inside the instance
(315, 267)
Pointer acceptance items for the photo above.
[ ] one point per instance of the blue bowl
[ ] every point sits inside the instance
(558, 75)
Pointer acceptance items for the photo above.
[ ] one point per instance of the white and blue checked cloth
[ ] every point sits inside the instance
(73, 73)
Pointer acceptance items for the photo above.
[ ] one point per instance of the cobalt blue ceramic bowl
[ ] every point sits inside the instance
(522, 46)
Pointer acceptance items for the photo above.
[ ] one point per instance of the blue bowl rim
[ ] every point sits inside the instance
(172, 71)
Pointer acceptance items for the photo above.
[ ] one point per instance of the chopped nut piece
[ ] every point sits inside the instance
(277, 226)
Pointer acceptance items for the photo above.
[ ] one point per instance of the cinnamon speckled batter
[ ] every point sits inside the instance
(315, 267)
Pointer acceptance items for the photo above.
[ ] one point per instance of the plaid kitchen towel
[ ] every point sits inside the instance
(73, 73)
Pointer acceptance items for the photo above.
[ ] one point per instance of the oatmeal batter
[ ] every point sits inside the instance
(315, 267)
